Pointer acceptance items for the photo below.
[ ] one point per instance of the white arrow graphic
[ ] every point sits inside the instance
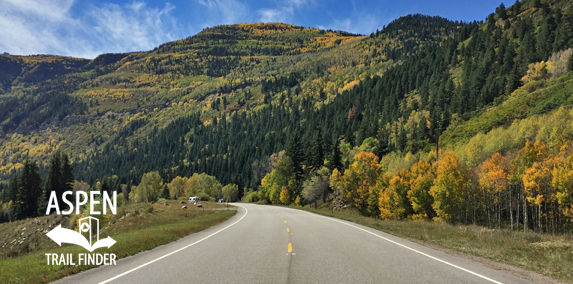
(61, 235)
(107, 242)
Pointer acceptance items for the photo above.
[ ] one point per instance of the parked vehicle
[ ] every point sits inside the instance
(193, 198)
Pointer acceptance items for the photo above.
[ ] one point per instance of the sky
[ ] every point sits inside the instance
(83, 28)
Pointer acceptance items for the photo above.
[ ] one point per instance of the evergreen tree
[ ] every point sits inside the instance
(68, 178)
(165, 192)
(335, 161)
(55, 178)
(500, 11)
(13, 188)
(295, 151)
(516, 9)
(570, 63)
(317, 150)
(29, 190)
(43, 203)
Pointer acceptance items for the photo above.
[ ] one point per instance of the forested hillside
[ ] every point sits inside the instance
(229, 100)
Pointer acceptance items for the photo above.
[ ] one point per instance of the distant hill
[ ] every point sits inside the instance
(224, 99)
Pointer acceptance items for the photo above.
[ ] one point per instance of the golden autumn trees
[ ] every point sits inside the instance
(528, 155)
(450, 188)
(421, 180)
(394, 203)
(562, 181)
(493, 185)
(356, 182)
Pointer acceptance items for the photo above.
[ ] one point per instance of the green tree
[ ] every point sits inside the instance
(230, 192)
(55, 180)
(570, 63)
(317, 150)
(29, 190)
(295, 151)
(335, 160)
(148, 189)
(165, 192)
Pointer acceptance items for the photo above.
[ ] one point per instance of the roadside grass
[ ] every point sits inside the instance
(550, 255)
(136, 228)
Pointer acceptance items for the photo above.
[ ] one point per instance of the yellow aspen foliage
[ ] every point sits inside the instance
(357, 180)
(537, 186)
(529, 154)
(493, 177)
(421, 180)
(393, 200)
(297, 200)
(450, 187)
(562, 181)
(285, 195)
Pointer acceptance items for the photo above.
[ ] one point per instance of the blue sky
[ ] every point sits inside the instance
(85, 28)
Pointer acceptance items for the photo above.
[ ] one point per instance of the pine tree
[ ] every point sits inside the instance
(516, 9)
(68, 178)
(29, 190)
(570, 63)
(335, 161)
(500, 11)
(295, 151)
(43, 203)
(317, 150)
(55, 178)
(165, 192)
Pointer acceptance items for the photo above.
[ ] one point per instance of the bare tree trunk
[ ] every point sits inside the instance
(524, 214)
(539, 221)
(510, 210)
(517, 212)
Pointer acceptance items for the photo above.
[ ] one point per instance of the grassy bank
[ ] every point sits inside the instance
(546, 254)
(136, 228)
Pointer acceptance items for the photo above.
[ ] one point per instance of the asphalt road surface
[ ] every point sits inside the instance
(267, 244)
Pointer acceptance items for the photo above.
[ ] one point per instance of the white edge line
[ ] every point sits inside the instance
(176, 251)
(404, 246)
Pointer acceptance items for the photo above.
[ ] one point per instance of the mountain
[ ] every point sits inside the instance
(224, 100)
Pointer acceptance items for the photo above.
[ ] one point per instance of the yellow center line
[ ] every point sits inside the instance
(288, 230)
(281, 216)
(289, 247)
(285, 221)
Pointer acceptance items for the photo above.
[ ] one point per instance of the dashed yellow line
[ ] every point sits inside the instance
(285, 221)
(281, 216)
(289, 247)
(288, 230)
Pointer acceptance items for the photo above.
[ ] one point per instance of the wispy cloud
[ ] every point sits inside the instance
(281, 14)
(285, 11)
(48, 26)
(361, 23)
(131, 27)
(224, 11)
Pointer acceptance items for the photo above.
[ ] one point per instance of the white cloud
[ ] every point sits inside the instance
(49, 26)
(362, 23)
(282, 14)
(224, 11)
(134, 27)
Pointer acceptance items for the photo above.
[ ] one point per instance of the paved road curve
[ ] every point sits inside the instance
(267, 244)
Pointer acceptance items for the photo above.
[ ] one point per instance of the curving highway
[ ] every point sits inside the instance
(268, 244)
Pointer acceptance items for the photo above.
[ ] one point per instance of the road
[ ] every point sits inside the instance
(268, 244)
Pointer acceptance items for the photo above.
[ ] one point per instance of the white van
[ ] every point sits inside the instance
(194, 199)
